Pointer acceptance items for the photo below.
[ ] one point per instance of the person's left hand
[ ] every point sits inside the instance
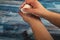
(29, 18)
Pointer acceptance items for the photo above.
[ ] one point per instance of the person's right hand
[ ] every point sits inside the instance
(36, 9)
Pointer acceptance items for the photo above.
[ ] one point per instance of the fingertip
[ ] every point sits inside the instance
(22, 5)
(27, 9)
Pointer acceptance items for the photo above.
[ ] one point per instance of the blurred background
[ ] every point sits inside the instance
(13, 27)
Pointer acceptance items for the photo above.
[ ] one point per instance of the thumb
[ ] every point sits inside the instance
(29, 10)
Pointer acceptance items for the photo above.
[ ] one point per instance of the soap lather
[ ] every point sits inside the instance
(25, 6)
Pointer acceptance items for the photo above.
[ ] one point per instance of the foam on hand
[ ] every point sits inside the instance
(25, 6)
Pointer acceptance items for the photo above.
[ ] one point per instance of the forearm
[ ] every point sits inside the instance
(40, 32)
(54, 18)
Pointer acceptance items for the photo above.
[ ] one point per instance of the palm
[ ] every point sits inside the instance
(29, 17)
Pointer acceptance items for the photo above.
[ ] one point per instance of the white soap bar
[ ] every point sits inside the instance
(25, 6)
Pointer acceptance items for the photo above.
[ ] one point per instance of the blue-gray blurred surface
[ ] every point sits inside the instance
(12, 25)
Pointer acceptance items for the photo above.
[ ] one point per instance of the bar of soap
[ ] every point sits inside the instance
(25, 6)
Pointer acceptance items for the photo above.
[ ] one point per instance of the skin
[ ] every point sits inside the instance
(37, 10)
(39, 30)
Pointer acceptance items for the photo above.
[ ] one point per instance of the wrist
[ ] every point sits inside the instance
(44, 13)
(34, 22)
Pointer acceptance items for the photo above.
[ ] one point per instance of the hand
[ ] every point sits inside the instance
(29, 17)
(37, 8)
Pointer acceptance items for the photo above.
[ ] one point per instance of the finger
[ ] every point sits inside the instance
(20, 13)
(23, 15)
(31, 2)
(28, 16)
(33, 16)
(29, 10)
(22, 5)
